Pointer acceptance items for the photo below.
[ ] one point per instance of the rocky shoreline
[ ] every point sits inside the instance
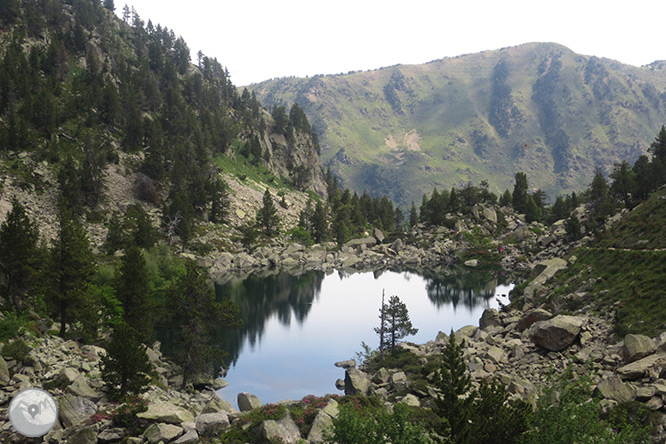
(518, 348)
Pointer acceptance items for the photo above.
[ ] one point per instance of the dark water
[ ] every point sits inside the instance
(296, 327)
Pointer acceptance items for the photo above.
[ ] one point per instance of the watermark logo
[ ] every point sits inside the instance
(33, 412)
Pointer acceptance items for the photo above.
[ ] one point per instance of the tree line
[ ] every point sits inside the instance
(626, 186)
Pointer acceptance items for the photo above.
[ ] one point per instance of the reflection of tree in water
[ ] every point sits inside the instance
(469, 289)
(261, 297)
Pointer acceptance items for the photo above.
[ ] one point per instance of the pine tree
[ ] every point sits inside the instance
(395, 322)
(452, 404)
(519, 195)
(532, 211)
(115, 237)
(18, 253)
(267, 217)
(70, 272)
(133, 292)
(413, 216)
(320, 223)
(624, 182)
(506, 199)
(219, 201)
(125, 369)
(198, 316)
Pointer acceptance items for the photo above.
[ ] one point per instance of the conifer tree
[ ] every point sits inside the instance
(519, 195)
(320, 223)
(18, 253)
(413, 216)
(395, 322)
(133, 292)
(532, 211)
(198, 316)
(506, 199)
(125, 369)
(267, 217)
(115, 237)
(219, 201)
(70, 272)
(452, 405)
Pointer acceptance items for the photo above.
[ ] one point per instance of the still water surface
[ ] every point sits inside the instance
(296, 327)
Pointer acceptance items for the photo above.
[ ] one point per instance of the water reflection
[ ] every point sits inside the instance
(297, 326)
(470, 289)
(262, 297)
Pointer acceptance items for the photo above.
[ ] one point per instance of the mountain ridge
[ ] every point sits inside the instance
(537, 107)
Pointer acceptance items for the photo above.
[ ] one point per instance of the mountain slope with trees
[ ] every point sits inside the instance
(538, 108)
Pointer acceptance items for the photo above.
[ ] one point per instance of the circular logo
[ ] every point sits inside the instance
(33, 412)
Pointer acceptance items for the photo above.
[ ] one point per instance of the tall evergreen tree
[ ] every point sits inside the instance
(18, 253)
(125, 368)
(198, 316)
(413, 216)
(395, 322)
(452, 404)
(506, 199)
(624, 183)
(519, 195)
(320, 223)
(70, 271)
(267, 217)
(133, 291)
(532, 211)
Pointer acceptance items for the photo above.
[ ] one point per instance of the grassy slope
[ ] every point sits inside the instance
(606, 114)
(628, 268)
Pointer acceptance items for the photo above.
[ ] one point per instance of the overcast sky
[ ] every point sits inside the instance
(262, 39)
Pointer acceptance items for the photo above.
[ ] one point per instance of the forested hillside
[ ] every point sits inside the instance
(82, 90)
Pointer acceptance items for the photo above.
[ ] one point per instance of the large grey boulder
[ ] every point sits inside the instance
(377, 234)
(542, 273)
(284, 430)
(323, 422)
(640, 368)
(532, 316)
(490, 214)
(356, 382)
(217, 404)
(108, 436)
(557, 333)
(165, 412)
(637, 347)
(350, 363)
(162, 433)
(74, 409)
(86, 435)
(489, 318)
(211, 423)
(247, 402)
(613, 388)
(190, 437)
(81, 388)
(361, 243)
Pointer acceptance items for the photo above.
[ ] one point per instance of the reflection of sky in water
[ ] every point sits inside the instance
(289, 362)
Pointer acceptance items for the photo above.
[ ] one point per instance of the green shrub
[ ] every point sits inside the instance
(568, 413)
(376, 426)
(10, 325)
(17, 350)
(301, 235)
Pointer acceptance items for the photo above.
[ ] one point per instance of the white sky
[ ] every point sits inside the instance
(262, 39)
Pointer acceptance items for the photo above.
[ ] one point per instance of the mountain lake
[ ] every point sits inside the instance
(297, 326)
